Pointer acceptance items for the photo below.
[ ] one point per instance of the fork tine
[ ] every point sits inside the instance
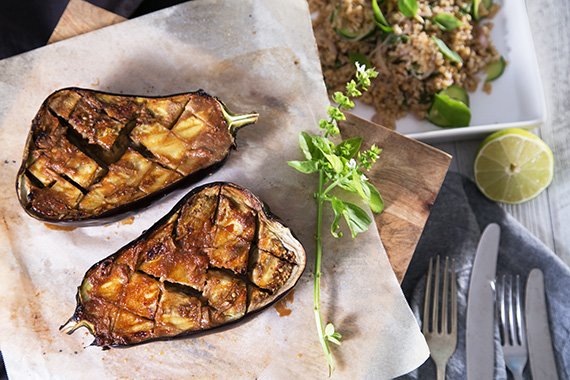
(453, 299)
(511, 312)
(442, 342)
(444, 297)
(501, 310)
(519, 317)
(427, 296)
(435, 310)
(511, 325)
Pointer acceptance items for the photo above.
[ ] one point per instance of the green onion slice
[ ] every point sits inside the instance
(446, 51)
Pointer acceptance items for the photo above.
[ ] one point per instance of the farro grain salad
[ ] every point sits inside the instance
(429, 53)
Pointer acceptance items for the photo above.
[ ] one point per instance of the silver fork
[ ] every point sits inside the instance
(511, 325)
(441, 336)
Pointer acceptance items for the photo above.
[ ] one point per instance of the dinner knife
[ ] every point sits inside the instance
(480, 347)
(541, 354)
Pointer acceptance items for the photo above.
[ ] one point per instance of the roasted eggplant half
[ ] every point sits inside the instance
(92, 156)
(218, 257)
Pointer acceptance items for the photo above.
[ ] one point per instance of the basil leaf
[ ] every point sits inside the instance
(307, 146)
(332, 335)
(334, 338)
(338, 210)
(356, 183)
(348, 148)
(446, 51)
(348, 186)
(356, 218)
(409, 8)
(306, 167)
(335, 162)
(375, 200)
(322, 144)
(446, 21)
(379, 18)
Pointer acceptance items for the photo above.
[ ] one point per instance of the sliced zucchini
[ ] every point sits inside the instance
(495, 69)
(481, 8)
(457, 93)
(349, 33)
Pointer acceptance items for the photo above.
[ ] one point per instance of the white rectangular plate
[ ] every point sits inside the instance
(517, 99)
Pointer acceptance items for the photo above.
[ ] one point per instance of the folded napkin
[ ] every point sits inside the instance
(457, 220)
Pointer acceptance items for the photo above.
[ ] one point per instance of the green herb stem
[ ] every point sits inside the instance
(333, 185)
(317, 278)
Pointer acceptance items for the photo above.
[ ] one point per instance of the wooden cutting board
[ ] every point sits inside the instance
(409, 173)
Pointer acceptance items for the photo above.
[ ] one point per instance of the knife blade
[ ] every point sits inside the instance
(541, 354)
(480, 347)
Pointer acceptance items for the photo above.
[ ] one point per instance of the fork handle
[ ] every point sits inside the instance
(441, 371)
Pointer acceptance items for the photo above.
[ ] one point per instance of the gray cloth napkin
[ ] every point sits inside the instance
(457, 220)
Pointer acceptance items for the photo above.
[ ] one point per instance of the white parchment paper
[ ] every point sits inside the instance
(256, 55)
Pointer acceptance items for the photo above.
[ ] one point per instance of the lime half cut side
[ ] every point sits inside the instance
(513, 166)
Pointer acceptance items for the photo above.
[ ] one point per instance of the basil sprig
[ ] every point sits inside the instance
(341, 166)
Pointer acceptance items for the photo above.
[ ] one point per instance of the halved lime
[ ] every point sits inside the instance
(513, 166)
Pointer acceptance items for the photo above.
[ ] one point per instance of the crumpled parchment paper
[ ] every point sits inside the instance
(256, 55)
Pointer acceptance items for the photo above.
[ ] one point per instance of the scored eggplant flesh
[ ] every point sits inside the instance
(216, 258)
(92, 155)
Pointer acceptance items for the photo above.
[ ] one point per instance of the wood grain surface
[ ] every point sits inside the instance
(409, 175)
(81, 17)
(548, 215)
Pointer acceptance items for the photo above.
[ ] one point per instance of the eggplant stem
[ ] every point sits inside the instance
(235, 122)
(71, 325)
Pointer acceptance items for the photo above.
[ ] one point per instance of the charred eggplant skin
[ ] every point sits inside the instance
(286, 249)
(105, 151)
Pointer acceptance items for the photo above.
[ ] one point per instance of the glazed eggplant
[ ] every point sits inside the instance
(218, 257)
(91, 156)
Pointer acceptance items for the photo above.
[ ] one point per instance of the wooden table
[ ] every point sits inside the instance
(547, 216)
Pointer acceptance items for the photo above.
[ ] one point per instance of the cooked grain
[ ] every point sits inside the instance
(410, 71)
